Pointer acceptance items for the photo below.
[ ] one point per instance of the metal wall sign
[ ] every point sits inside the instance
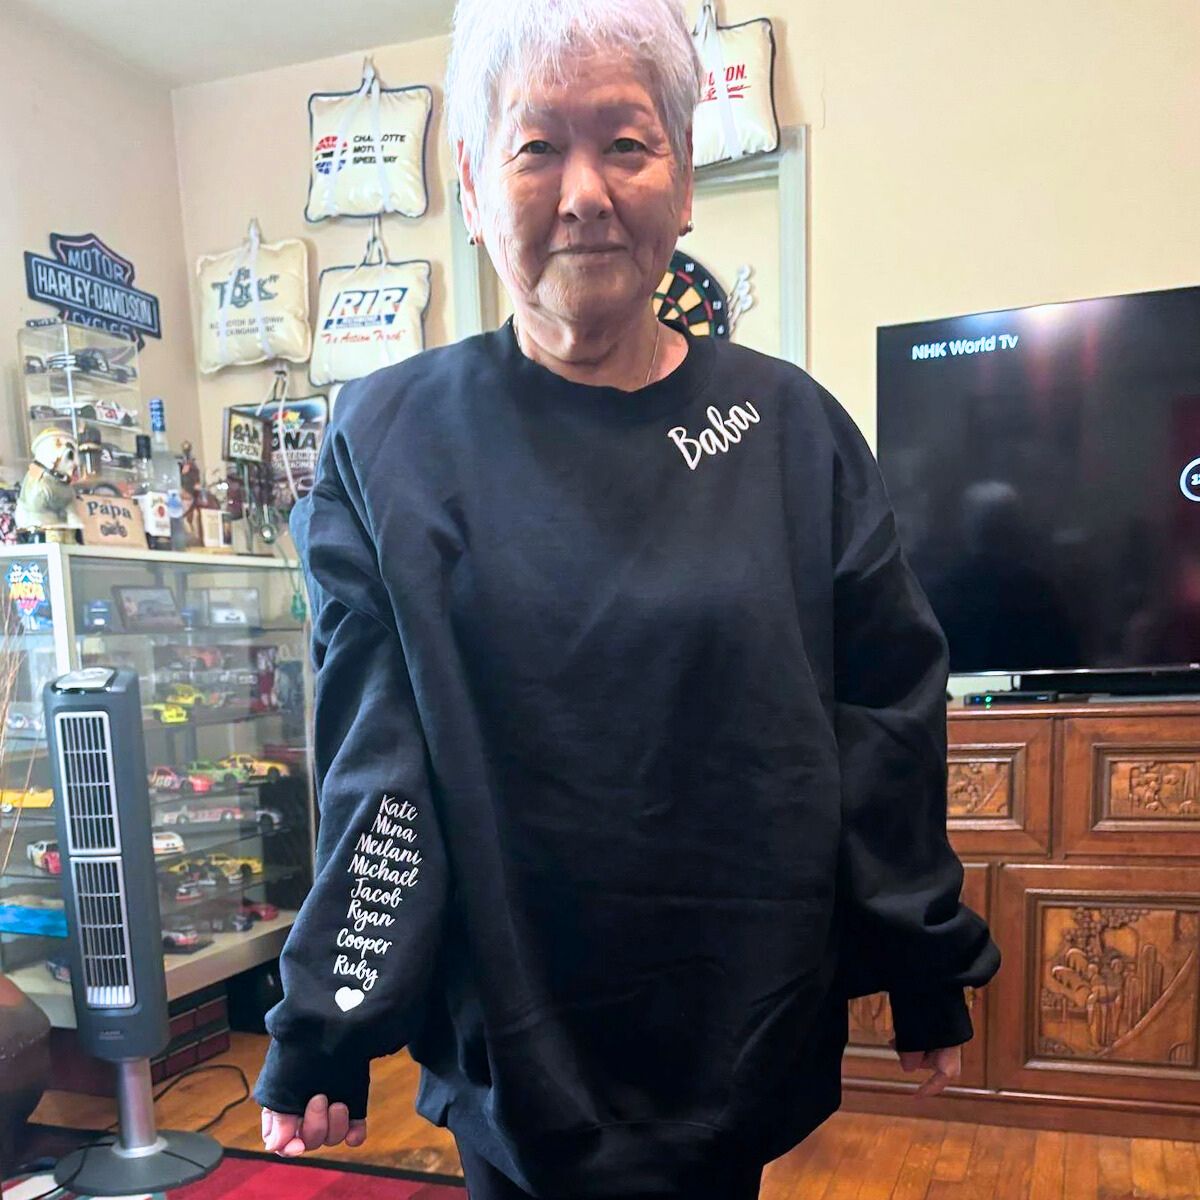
(90, 284)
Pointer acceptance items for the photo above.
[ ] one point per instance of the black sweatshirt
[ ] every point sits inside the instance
(630, 742)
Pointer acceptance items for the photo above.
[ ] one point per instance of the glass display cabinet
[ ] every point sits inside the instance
(85, 381)
(220, 648)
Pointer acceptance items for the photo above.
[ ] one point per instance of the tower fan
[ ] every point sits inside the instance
(94, 730)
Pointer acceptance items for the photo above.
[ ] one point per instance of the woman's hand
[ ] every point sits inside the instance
(323, 1124)
(945, 1063)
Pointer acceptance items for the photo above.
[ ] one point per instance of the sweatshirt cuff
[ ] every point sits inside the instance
(292, 1074)
(931, 1020)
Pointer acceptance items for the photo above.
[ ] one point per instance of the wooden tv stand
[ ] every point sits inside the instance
(1079, 828)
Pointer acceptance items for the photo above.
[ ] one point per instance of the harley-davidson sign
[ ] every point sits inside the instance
(90, 284)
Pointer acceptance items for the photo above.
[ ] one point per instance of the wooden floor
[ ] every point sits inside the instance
(851, 1157)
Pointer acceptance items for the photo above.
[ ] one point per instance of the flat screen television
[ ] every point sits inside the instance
(1044, 466)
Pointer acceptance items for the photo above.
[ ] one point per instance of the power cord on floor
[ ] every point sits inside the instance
(59, 1188)
(43, 1164)
(197, 1071)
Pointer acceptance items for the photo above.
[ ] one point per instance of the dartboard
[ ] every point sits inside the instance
(690, 294)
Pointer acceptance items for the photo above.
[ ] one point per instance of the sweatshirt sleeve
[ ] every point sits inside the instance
(357, 964)
(907, 931)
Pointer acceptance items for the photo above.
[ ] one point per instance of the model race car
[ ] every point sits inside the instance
(114, 456)
(26, 724)
(267, 819)
(168, 779)
(260, 910)
(200, 872)
(167, 843)
(168, 714)
(188, 696)
(96, 362)
(107, 412)
(196, 658)
(256, 768)
(201, 814)
(44, 856)
(59, 968)
(182, 937)
(217, 772)
(13, 798)
(236, 866)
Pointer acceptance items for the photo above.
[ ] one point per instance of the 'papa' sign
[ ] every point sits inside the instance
(110, 521)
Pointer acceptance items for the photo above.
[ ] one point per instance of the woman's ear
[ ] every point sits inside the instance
(689, 184)
(467, 192)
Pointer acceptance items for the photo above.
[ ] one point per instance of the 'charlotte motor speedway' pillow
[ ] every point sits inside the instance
(347, 175)
(368, 316)
(736, 113)
(253, 303)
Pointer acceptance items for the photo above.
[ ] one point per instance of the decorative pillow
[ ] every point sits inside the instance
(253, 303)
(736, 113)
(347, 175)
(368, 316)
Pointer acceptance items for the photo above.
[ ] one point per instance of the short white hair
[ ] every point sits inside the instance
(535, 38)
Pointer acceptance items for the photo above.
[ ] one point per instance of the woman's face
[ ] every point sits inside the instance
(580, 199)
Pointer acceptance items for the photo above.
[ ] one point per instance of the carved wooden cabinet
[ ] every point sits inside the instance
(1079, 830)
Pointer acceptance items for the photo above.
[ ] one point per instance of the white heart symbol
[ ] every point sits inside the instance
(347, 998)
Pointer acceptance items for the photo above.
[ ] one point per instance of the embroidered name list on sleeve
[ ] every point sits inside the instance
(386, 855)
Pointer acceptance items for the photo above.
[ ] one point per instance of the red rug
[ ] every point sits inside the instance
(255, 1178)
(248, 1176)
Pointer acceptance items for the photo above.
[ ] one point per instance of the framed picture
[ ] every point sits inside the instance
(245, 437)
(236, 607)
(147, 608)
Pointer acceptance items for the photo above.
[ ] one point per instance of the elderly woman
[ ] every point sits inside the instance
(630, 728)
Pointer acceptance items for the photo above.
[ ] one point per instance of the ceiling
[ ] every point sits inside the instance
(180, 42)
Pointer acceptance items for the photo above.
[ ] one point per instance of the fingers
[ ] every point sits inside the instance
(947, 1067)
(278, 1129)
(315, 1126)
(339, 1124)
(323, 1124)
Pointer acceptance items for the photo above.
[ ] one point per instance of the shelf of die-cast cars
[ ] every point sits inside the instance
(169, 881)
(219, 635)
(223, 708)
(214, 716)
(226, 954)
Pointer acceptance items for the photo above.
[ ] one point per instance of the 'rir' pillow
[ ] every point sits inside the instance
(368, 316)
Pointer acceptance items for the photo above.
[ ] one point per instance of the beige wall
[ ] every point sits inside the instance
(243, 151)
(976, 156)
(88, 147)
(963, 157)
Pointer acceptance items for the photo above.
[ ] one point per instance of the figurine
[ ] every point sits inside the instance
(189, 470)
(190, 493)
(45, 500)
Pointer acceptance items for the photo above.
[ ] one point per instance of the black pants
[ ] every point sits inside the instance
(484, 1182)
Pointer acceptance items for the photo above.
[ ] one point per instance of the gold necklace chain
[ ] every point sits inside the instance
(653, 353)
